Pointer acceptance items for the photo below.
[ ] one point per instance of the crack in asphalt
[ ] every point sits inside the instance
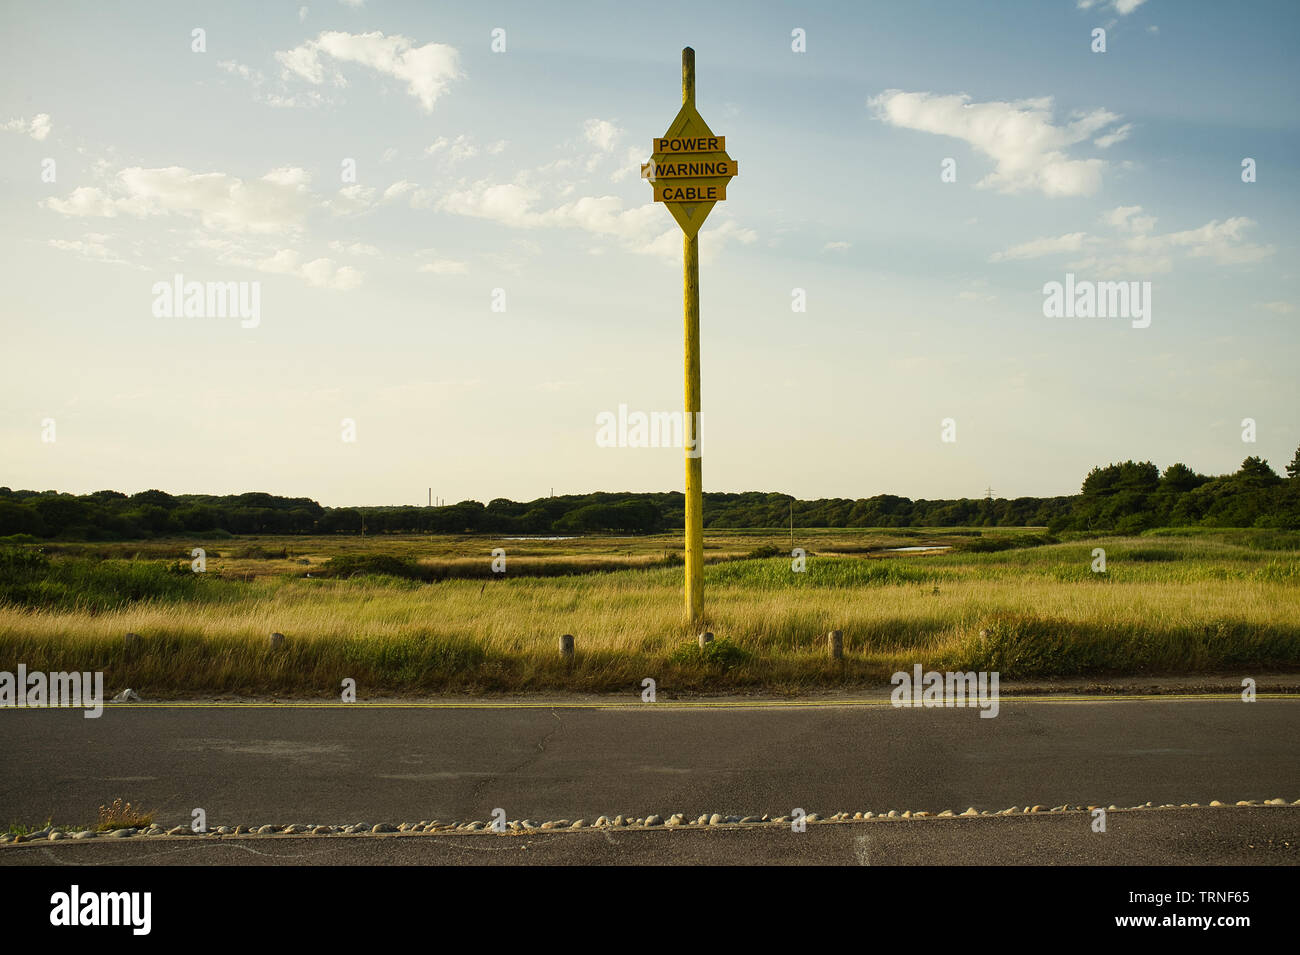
(541, 751)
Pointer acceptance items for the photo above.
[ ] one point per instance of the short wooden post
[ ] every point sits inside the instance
(132, 643)
(705, 639)
(277, 641)
(835, 644)
(566, 646)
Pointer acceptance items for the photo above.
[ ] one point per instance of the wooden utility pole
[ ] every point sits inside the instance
(689, 170)
(691, 328)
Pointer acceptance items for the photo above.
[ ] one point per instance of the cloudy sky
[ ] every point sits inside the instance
(386, 176)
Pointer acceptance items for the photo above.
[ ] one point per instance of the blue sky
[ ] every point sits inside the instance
(517, 170)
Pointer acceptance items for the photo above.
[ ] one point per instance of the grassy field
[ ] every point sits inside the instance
(419, 614)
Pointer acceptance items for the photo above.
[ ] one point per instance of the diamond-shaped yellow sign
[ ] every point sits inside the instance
(689, 169)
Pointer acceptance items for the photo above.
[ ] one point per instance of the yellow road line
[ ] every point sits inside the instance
(684, 704)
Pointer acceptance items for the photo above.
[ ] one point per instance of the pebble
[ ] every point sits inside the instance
(674, 820)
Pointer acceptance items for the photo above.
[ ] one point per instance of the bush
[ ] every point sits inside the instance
(384, 565)
(717, 653)
(29, 578)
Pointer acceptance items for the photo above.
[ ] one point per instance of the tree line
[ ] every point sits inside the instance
(1126, 497)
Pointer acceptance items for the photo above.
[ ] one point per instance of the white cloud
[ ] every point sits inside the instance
(277, 202)
(91, 246)
(1122, 7)
(1028, 149)
(1047, 245)
(1281, 308)
(38, 128)
(1126, 219)
(398, 189)
(1139, 251)
(1116, 136)
(426, 70)
(632, 159)
(836, 246)
(457, 150)
(302, 14)
(242, 70)
(539, 199)
(601, 133)
(350, 199)
(639, 229)
(322, 273)
(444, 267)
(353, 248)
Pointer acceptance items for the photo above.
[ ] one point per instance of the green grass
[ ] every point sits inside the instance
(426, 615)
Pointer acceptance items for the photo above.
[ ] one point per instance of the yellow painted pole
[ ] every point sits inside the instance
(691, 327)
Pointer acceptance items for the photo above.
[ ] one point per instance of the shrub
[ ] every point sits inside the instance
(717, 653)
(122, 815)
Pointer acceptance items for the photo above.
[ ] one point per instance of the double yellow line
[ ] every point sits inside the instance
(701, 704)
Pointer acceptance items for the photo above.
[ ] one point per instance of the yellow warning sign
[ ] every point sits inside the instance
(690, 169)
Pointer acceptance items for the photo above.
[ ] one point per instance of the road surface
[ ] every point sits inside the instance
(255, 765)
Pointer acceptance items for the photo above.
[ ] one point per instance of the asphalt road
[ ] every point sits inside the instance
(1217, 836)
(341, 765)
